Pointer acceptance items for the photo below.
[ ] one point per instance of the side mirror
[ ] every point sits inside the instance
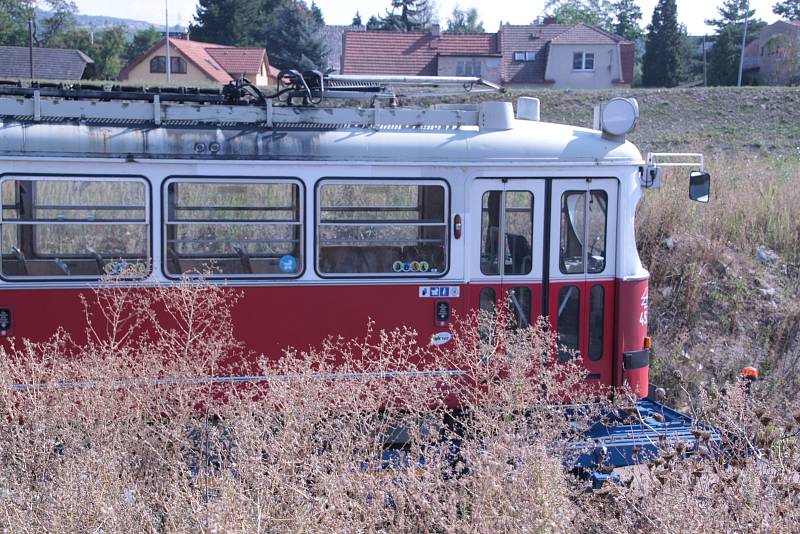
(699, 186)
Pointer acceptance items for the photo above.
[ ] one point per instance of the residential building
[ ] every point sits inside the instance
(774, 57)
(48, 63)
(195, 62)
(552, 55)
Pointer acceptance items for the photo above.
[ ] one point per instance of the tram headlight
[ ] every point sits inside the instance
(617, 117)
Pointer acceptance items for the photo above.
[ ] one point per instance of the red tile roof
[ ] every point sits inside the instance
(238, 60)
(409, 53)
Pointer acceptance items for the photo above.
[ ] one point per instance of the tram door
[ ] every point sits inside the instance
(508, 215)
(581, 292)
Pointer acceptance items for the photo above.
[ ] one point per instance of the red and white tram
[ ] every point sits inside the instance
(324, 218)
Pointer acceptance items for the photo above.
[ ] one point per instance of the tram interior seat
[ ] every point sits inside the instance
(520, 250)
(92, 265)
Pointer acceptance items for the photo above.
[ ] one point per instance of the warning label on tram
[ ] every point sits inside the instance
(447, 292)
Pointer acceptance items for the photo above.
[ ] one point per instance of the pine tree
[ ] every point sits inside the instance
(661, 65)
(356, 19)
(408, 16)
(294, 39)
(788, 9)
(317, 13)
(232, 22)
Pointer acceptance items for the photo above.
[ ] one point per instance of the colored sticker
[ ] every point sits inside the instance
(424, 266)
(406, 267)
(287, 264)
(397, 266)
(440, 291)
(414, 266)
(440, 338)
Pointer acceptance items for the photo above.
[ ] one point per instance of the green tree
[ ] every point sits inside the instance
(107, 53)
(356, 19)
(317, 13)
(141, 43)
(408, 16)
(60, 18)
(232, 22)
(374, 23)
(661, 64)
(730, 30)
(788, 9)
(464, 21)
(14, 22)
(294, 39)
(594, 12)
(723, 61)
(627, 20)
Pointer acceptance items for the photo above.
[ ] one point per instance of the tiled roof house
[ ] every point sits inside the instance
(555, 55)
(195, 61)
(48, 63)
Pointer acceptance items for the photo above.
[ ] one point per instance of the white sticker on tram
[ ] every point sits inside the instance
(447, 292)
(440, 338)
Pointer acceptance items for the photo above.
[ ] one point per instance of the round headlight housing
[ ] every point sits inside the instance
(619, 116)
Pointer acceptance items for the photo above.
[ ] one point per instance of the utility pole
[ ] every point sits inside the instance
(31, 14)
(166, 19)
(705, 65)
(744, 41)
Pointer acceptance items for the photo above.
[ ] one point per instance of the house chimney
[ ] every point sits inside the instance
(436, 30)
(549, 20)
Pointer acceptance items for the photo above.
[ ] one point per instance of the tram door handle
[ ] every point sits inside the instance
(441, 312)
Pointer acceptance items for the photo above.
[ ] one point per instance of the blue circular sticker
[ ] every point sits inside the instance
(287, 264)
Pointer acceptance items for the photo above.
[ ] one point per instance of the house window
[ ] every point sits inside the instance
(159, 65)
(525, 55)
(468, 68)
(583, 61)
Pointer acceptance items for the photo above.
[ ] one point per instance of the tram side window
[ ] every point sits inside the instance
(248, 228)
(74, 227)
(577, 229)
(388, 229)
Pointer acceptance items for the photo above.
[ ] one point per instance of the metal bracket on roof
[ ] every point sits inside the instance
(156, 110)
(37, 106)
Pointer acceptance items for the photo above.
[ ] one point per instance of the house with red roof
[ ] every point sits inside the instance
(551, 55)
(194, 62)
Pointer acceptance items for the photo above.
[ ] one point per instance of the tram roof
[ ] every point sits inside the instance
(525, 142)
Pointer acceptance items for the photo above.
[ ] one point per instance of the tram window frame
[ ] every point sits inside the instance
(586, 265)
(419, 182)
(206, 270)
(108, 264)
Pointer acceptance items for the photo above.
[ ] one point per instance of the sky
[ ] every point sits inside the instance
(692, 13)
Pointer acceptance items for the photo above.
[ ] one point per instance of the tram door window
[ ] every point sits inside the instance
(508, 261)
(582, 270)
(65, 227)
(236, 228)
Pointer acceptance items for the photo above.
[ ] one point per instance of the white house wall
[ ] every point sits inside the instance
(606, 67)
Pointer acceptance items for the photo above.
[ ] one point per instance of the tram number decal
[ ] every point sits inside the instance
(645, 307)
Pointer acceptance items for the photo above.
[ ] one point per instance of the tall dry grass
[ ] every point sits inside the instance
(124, 433)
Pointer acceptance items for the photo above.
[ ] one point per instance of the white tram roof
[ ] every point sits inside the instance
(486, 134)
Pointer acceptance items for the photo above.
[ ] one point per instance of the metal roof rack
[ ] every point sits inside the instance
(242, 103)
